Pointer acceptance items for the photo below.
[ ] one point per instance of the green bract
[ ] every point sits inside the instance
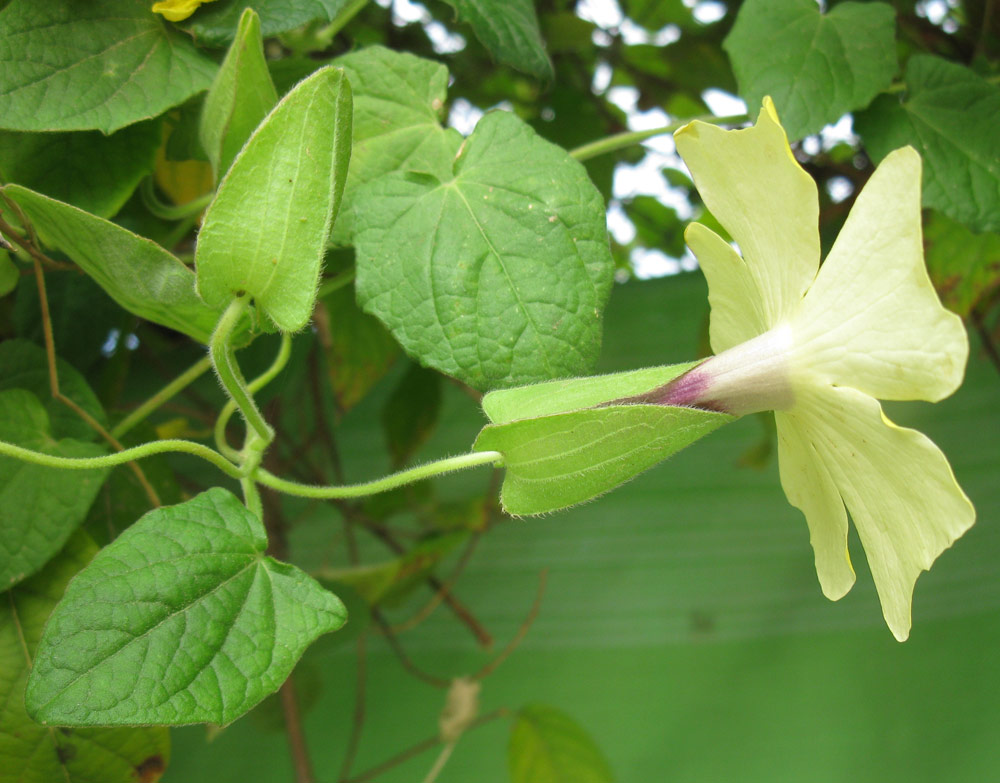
(265, 233)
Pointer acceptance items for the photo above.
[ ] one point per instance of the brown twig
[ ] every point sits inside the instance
(50, 354)
(512, 645)
(421, 747)
(293, 729)
(404, 659)
(358, 721)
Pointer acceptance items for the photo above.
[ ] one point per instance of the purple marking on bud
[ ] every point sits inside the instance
(684, 391)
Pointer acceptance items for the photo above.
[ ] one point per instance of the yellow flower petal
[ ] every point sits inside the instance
(872, 319)
(177, 10)
(737, 315)
(897, 485)
(752, 184)
(810, 488)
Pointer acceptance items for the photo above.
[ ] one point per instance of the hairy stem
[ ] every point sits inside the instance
(228, 370)
(392, 481)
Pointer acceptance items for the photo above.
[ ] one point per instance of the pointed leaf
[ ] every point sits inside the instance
(496, 275)
(240, 97)
(266, 231)
(552, 462)
(39, 507)
(61, 165)
(815, 66)
(398, 105)
(190, 577)
(34, 753)
(137, 273)
(101, 65)
(216, 24)
(509, 29)
(949, 115)
(548, 746)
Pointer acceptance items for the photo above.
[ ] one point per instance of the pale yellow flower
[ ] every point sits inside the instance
(818, 345)
(177, 10)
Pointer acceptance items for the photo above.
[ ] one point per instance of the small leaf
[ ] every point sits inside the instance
(548, 746)
(496, 275)
(265, 233)
(411, 413)
(61, 165)
(398, 104)
(191, 577)
(136, 272)
(948, 114)
(25, 366)
(40, 507)
(964, 267)
(240, 97)
(216, 24)
(816, 66)
(37, 754)
(509, 29)
(106, 64)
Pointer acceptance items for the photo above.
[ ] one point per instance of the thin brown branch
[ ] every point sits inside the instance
(513, 644)
(404, 659)
(421, 747)
(294, 732)
(50, 354)
(358, 722)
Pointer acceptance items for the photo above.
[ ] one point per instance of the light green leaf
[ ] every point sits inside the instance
(497, 275)
(100, 65)
(216, 24)
(398, 105)
(266, 231)
(39, 507)
(136, 272)
(543, 399)
(9, 273)
(555, 461)
(509, 29)
(816, 66)
(949, 114)
(61, 165)
(240, 97)
(24, 365)
(964, 266)
(191, 575)
(37, 754)
(548, 746)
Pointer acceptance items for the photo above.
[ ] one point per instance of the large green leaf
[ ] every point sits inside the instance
(266, 231)
(398, 105)
(552, 462)
(216, 24)
(61, 165)
(949, 114)
(136, 272)
(191, 577)
(498, 274)
(240, 97)
(509, 29)
(548, 746)
(36, 754)
(24, 365)
(964, 266)
(816, 66)
(101, 65)
(39, 507)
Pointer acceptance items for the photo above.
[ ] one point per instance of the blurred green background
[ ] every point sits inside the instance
(683, 625)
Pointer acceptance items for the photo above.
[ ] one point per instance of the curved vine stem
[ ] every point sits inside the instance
(121, 457)
(384, 484)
